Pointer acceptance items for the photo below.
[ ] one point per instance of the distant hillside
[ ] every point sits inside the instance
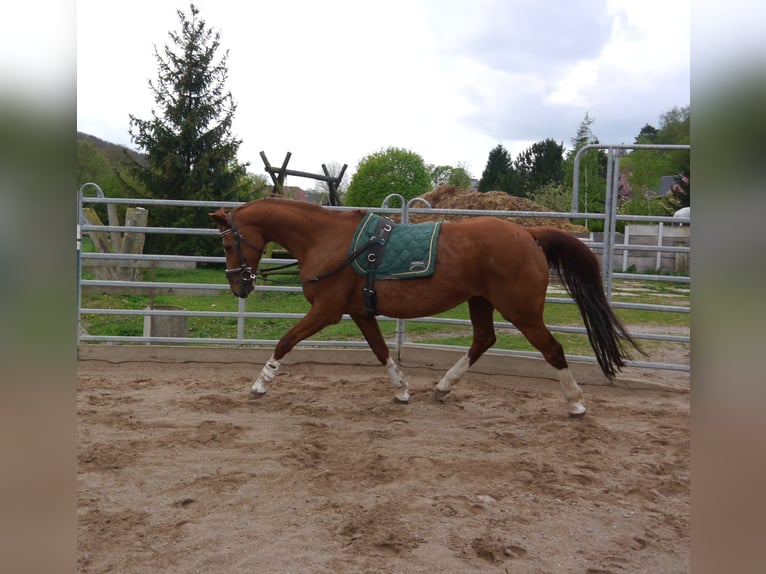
(116, 153)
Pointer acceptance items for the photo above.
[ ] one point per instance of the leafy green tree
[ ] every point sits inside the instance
(189, 146)
(439, 174)
(449, 175)
(499, 175)
(460, 178)
(393, 170)
(646, 205)
(554, 196)
(540, 165)
(675, 128)
(251, 186)
(645, 167)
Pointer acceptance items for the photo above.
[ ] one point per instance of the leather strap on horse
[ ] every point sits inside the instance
(374, 256)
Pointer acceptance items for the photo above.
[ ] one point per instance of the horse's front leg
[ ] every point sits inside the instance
(261, 384)
(371, 331)
(313, 322)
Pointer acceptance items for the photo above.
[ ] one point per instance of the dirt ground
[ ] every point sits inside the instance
(180, 472)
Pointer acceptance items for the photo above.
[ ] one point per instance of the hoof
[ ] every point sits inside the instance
(400, 401)
(256, 395)
(577, 411)
(439, 394)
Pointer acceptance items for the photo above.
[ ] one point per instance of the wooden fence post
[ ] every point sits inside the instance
(134, 242)
(116, 242)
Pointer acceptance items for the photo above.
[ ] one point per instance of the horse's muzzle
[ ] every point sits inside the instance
(242, 289)
(241, 281)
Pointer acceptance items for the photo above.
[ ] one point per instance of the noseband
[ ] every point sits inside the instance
(244, 271)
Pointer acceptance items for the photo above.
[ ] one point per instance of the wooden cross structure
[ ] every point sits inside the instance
(278, 175)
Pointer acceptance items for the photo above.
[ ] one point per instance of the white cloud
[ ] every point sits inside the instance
(337, 80)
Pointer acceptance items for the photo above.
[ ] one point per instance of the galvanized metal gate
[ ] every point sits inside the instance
(607, 248)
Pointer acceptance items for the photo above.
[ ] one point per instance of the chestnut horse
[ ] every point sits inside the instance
(488, 262)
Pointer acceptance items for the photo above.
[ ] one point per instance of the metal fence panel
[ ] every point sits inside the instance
(606, 249)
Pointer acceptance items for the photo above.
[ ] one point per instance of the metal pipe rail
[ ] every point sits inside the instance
(241, 315)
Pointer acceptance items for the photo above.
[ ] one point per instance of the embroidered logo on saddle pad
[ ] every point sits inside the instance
(409, 253)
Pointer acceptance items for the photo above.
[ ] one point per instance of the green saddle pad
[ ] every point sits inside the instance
(410, 251)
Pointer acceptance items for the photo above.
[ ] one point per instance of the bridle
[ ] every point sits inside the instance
(244, 272)
(245, 275)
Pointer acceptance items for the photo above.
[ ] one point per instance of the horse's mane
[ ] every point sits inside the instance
(302, 205)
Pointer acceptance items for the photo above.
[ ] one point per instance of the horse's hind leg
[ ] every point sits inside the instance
(538, 334)
(371, 331)
(484, 337)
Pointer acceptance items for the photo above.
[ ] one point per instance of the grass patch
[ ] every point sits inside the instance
(632, 291)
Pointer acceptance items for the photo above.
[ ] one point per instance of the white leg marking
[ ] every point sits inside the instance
(397, 378)
(454, 374)
(572, 393)
(267, 375)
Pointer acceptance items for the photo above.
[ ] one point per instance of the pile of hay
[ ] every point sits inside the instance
(450, 197)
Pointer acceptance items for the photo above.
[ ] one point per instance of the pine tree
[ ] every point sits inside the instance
(539, 166)
(592, 179)
(499, 174)
(647, 135)
(191, 151)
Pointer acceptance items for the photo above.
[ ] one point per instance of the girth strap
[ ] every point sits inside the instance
(374, 256)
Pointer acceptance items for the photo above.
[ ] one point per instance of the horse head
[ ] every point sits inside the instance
(242, 253)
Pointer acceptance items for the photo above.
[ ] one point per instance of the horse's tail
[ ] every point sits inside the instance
(579, 271)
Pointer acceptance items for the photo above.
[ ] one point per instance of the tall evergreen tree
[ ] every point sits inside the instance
(189, 145)
(499, 174)
(540, 165)
(647, 135)
(592, 175)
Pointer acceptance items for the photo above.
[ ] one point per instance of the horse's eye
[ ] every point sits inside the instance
(227, 248)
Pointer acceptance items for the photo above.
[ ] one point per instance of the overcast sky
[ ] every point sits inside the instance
(336, 80)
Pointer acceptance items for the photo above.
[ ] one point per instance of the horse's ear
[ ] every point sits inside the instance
(219, 217)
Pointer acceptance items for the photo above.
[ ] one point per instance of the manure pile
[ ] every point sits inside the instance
(450, 197)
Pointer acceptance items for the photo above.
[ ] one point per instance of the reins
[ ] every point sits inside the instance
(246, 271)
(264, 273)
